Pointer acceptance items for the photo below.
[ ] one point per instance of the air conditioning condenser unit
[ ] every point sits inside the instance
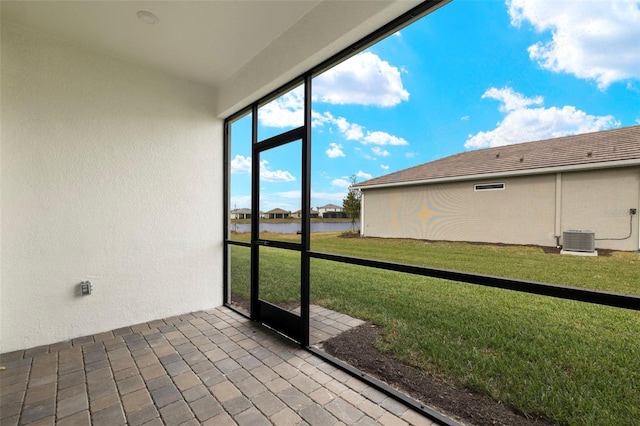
(579, 240)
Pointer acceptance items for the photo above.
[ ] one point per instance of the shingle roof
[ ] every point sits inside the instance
(599, 147)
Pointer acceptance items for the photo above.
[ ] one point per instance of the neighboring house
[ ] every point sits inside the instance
(313, 213)
(528, 193)
(331, 211)
(240, 214)
(277, 214)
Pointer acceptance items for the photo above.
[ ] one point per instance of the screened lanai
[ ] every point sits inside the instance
(129, 297)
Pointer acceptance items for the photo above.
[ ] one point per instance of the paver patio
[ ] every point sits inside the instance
(211, 367)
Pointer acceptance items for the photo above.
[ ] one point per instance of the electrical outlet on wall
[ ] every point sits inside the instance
(84, 288)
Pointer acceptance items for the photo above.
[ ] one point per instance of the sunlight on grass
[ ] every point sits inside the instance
(619, 273)
(240, 278)
(576, 363)
(279, 275)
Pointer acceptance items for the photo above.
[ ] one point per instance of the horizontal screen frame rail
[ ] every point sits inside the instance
(616, 300)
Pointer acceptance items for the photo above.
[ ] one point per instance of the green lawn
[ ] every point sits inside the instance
(573, 362)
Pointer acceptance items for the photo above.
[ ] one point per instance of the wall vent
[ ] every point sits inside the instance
(579, 240)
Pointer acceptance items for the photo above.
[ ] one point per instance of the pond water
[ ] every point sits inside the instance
(293, 227)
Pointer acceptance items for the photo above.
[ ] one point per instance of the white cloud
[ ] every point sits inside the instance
(240, 201)
(285, 111)
(411, 154)
(328, 195)
(294, 195)
(321, 198)
(593, 40)
(288, 200)
(384, 167)
(351, 131)
(511, 100)
(380, 152)
(341, 183)
(465, 118)
(334, 150)
(274, 175)
(356, 132)
(363, 175)
(363, 79)
(523, 124)
(318, 119)
(383, 138)
(241, 164)
(277, 203)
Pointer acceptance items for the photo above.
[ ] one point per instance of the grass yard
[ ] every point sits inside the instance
(576, 363)
(618, 273)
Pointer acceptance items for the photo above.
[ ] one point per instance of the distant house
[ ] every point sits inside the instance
(331, 211)
(298, 213)
(241, 214)
(276, 214)
(528, 193)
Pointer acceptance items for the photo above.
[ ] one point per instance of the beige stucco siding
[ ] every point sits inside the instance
(522, 213)
(600, 201)
(529, 210)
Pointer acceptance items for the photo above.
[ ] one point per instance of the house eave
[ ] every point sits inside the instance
(513, 173)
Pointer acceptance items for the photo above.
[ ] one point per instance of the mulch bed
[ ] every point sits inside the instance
(357, 347)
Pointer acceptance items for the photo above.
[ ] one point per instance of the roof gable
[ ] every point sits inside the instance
(589, 148)
(277, 211)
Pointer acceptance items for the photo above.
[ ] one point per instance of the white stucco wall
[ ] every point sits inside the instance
(110, 173)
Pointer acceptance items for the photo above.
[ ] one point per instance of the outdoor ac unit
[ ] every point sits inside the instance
(579, 240)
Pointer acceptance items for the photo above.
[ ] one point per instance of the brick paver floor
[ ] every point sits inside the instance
(213, 368)
(325, 324)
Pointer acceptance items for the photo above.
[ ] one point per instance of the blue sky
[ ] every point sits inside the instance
(472, 75)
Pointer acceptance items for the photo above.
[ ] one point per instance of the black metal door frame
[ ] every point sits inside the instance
(293, 326)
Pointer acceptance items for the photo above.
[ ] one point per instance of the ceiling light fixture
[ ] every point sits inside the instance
(148, 17)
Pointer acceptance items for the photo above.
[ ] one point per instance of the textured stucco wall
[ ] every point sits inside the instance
(110, 173)
(599, 201)
(522, 213)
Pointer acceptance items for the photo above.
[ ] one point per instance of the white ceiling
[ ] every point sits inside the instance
(202, 41)
(242, 49)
